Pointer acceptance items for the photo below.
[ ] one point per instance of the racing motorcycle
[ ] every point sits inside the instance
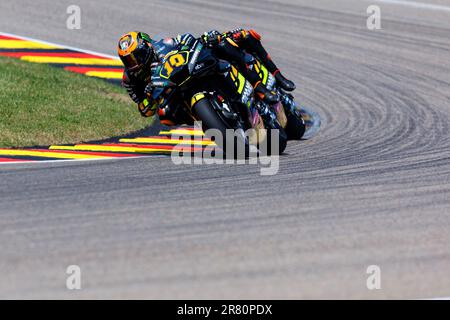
(199, 86)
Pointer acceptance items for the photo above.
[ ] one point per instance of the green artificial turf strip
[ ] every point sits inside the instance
(43, 105)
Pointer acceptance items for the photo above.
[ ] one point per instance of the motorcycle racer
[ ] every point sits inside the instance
(141, 54)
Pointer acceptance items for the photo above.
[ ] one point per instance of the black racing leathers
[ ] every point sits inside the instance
(232, 49)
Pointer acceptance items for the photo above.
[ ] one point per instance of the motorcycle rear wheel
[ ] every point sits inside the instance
(295, 128)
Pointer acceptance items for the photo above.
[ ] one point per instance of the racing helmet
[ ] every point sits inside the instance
(137, 53)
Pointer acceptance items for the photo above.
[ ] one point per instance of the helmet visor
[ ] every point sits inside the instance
(138, 57)
(130, 61)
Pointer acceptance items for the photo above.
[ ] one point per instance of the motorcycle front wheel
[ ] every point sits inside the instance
(210, 118)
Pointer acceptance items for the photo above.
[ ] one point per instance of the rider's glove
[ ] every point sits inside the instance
(236, 34)
(211, 38)
(146, 108)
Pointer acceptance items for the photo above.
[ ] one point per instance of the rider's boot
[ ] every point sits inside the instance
(284, 83)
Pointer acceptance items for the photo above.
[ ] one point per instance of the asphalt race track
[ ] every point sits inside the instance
(372, 188)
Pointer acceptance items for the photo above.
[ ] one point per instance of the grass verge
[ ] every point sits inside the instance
(43, 105)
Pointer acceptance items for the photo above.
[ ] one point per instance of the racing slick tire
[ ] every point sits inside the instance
(295, 128)
(210, 118)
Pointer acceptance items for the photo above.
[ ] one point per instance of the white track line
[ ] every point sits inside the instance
(59, 45)
(415, 4)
